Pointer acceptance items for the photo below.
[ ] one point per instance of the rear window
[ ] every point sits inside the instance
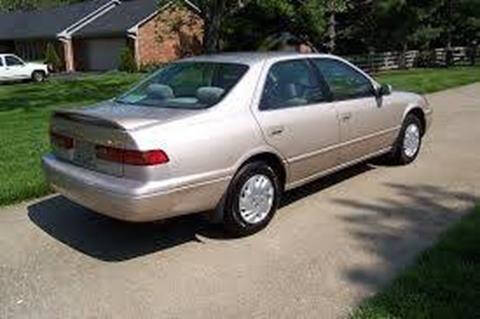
(190, 85)
(1, 61)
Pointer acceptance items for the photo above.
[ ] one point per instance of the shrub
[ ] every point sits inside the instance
(52, 59)
(150, 67)
(127, 61)
(426, 59)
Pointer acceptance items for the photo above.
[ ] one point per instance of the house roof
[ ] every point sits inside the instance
(119, 19)
(45, 23)
(93, 18)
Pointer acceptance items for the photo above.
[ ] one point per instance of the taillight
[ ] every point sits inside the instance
(131, 157)
(61, 141)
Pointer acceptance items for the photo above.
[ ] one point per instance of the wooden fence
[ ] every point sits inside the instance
(384, 61)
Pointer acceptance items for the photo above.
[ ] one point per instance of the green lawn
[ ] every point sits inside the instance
(430, 80)
(25, 109)
(444, 283)
(24, 114)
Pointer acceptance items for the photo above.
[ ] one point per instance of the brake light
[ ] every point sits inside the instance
(61, 141)
(131, 157)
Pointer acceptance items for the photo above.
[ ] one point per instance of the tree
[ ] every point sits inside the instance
(52, 59)
(127, 61)
(213, 13)
(265, 23)
(333, 7)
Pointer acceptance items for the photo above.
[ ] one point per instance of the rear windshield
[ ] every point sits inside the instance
(189, 85)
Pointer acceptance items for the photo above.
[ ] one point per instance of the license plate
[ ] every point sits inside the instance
(84, 153)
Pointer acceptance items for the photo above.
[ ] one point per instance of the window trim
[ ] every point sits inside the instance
(315, 76)
(351, 67)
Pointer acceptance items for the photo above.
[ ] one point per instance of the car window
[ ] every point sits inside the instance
(12, 61)
(189, 85)
(191, 77)
(1, 62)
(344, 81)
(291, 83)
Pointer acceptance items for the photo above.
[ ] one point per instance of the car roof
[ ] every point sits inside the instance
(250, 58)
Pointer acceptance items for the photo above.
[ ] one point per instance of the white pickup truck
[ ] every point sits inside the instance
(12, 68)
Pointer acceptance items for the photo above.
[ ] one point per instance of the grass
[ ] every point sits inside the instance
(24, 114)
(25, 110)
(443, 283)
(430, 80)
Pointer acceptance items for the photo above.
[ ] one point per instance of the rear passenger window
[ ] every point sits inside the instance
(1, 62)
(291, 83)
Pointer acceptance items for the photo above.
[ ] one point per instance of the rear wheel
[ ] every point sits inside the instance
(38, 76)
(409, 141)
(252, 199)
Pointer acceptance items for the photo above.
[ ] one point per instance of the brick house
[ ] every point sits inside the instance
(91, 35)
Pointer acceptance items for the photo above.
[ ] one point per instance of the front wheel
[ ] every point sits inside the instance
(252, 199)
(38, 76)
(409, 141)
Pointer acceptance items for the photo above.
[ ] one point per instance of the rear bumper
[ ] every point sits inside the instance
(126, 199)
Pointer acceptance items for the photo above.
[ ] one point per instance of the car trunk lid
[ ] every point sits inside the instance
(108, 124)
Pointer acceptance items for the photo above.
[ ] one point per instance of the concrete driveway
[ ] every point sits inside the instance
(332, 244)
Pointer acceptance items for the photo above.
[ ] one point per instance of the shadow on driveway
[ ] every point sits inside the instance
(397, 229)
(112, 240)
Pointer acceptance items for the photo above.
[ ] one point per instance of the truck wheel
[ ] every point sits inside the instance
(38, 76)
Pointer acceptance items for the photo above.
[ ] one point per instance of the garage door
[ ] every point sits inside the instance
(103, 54)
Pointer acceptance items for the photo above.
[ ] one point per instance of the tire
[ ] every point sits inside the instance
(409, 141)
(249, 207)
(38, 76)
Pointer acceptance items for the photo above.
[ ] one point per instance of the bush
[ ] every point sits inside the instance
(426, 59)
(127, 61)
(52, 59)
(150, 67)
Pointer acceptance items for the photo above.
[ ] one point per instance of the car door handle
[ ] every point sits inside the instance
(345, 116)
(276, 130)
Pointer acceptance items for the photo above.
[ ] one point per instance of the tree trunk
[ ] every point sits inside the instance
(211, 33)
(403, 56)
(331, 31)
(448, 48)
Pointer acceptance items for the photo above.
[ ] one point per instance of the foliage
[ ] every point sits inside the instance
(52, 59)
(443, 283)
(424, 81)
(262, 22)
(213, 13)
(333, 7)
(149, 67)
(182, 26)
(426, 59)
(342, 26)
(127, 61)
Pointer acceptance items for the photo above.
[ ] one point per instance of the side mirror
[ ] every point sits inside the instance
(385, 89)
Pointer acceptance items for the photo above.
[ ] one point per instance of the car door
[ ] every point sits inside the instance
(3, 71)
(367, 124)
(298, 119)
(15, 68)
